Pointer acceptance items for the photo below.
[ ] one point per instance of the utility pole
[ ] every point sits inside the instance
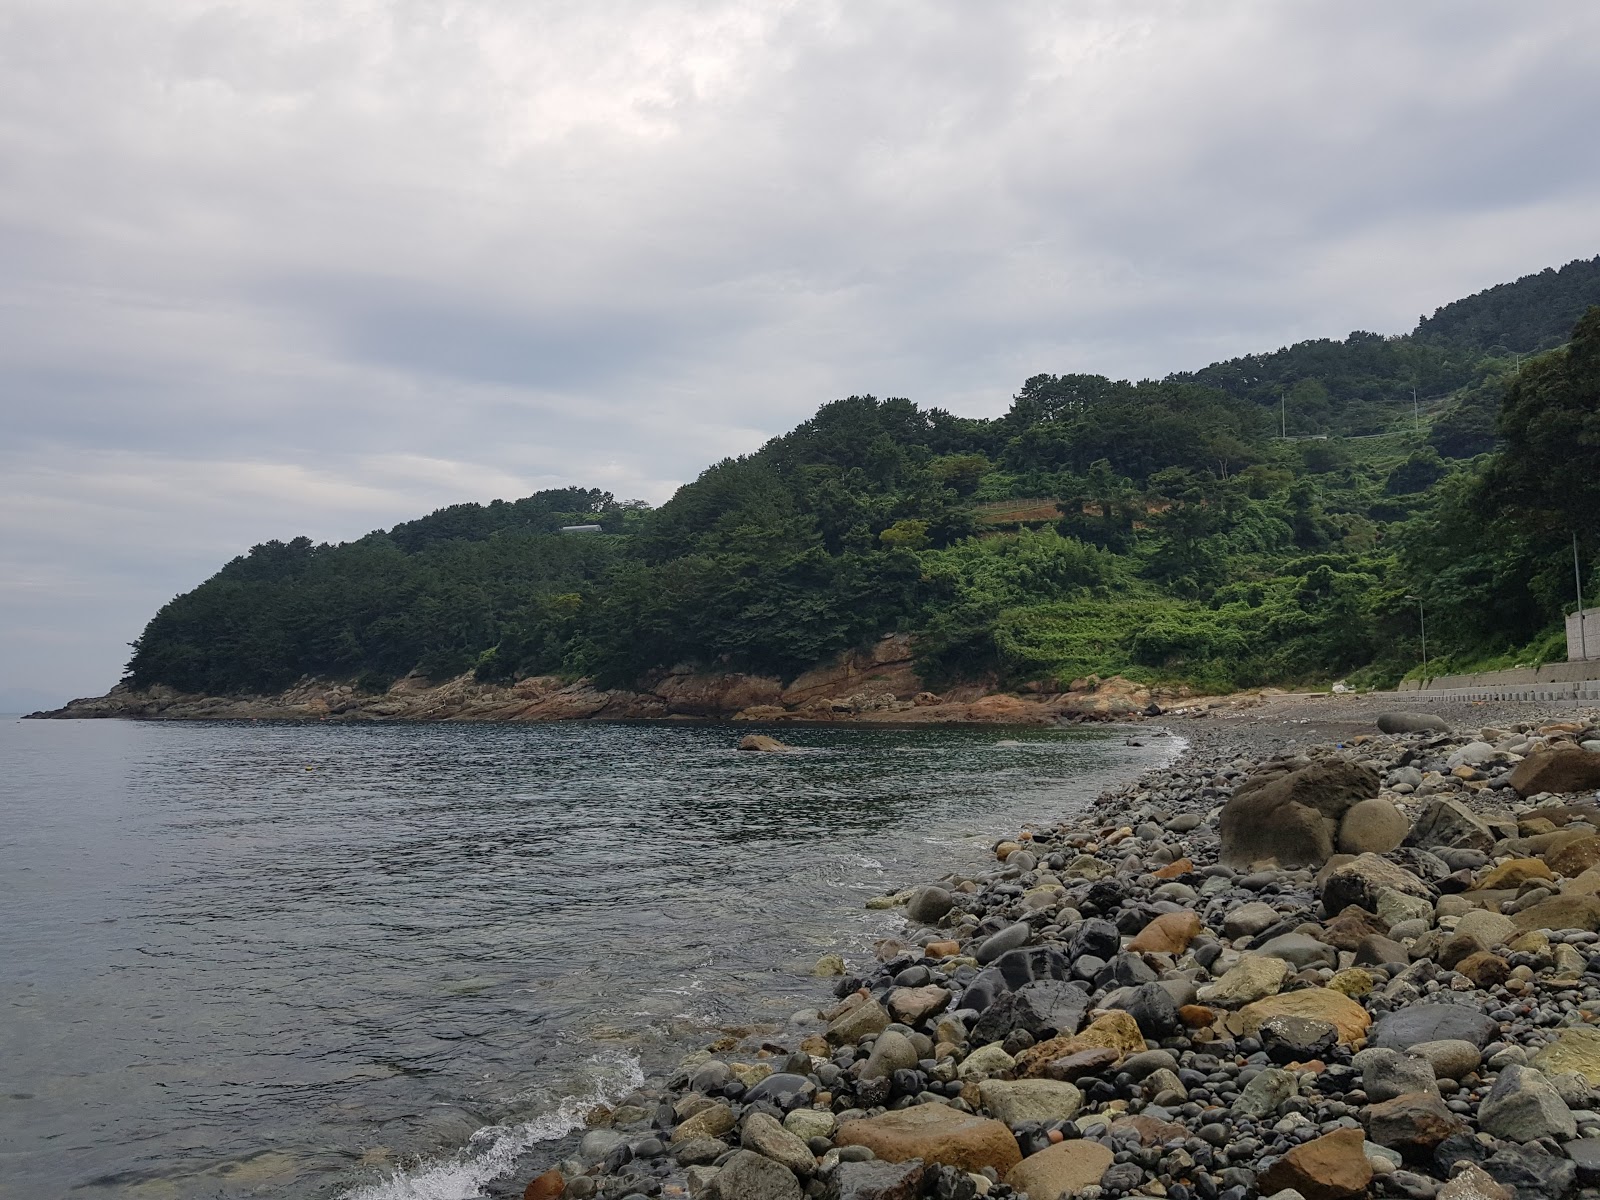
(1577, 579)
(1422, 620)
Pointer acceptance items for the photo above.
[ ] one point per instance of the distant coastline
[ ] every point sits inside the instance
(877, 687)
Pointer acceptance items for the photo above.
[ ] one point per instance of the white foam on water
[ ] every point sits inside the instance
(494, 1150)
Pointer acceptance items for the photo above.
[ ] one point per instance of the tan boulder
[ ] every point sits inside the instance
(1170, 933)
(1575, 857)
(1512, 874)
(913, 1004)
(1574, 1050)
(1331, 1167)
(710, 1122)
(1319, 1004)
(935, 1134)
(1060, 1172)
(1254, 977)
(1474, 1183)
(1115, 1031)
(1561, 912)
(1558, 769)
(1017, 1100)
(1484, 969)
(762, 744)
(1490, 928)
(1587, 884)
(1372, 826)
(855, 1023)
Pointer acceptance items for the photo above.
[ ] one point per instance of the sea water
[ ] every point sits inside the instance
(385, 961)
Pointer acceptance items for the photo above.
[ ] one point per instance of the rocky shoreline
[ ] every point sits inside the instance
(874, 686)
(1362, 967)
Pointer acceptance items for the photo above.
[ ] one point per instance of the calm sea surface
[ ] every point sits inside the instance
(388, 961)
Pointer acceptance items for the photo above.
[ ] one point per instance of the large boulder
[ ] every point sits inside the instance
(1448, 823)
(1254, 977)
(1041, 1009)
(876, 1181)
(1414, 1123)
(751, 1176)
(890, 1053)
(913, 1004)
(1561, 912)
(710, 1122)
(1017, 1100)
(1523, 1106)
(1348, 1017)
(857, 1022)
(1406, 1027)
(1361, 880)
(928, 904)
(1169, 933)
(1575, 1050)
(1115, 1031)
(1373, 826)
(1290, 816)
(1331, 1167)
(1411, 722)
(1062, 1171)
(1015, 969)
(763, 1134)
(935, 1134)
(1575, 857)
(1559, 769)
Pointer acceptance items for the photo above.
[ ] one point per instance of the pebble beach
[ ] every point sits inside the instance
(1314, 958)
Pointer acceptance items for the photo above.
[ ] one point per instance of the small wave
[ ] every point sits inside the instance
(494, 1150)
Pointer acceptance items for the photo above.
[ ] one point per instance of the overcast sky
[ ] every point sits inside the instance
(276, 267)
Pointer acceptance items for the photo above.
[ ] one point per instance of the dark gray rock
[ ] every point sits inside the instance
(1009, 938)
(1533, 1176)
(1152, 1007)
(1432, 1023)
(1031, 964)
(700, 1152)
(1012, 971)
(783, 1089)
(1387, 1073)
(1097, 937)
(928, 904)
(1289, 1039)
(751, 1176)
(1409, 722)
(877, 1181)
(1523, 1107)
(1585, 1155)
(1450, 825)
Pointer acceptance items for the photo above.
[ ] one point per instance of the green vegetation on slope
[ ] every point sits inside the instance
(1156, 529)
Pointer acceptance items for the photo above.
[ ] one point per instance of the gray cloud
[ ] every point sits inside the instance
(321, 265)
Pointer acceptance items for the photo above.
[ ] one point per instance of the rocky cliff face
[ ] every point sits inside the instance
(878, 685)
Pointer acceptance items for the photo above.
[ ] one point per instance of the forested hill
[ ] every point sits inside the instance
(1161, 529)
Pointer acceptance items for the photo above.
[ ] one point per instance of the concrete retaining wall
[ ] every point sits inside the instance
(1575, 681)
